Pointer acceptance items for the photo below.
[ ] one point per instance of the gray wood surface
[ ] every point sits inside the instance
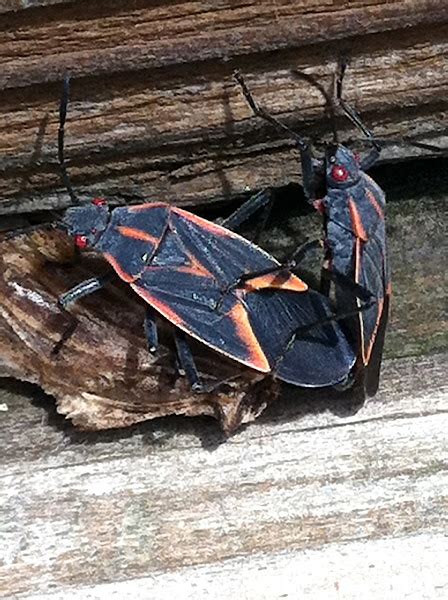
(303, 503)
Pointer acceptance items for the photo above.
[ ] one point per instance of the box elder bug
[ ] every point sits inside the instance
(211, 284)
(353, 207)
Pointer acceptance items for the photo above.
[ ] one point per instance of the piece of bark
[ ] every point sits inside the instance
(103, 376)
(156, 114)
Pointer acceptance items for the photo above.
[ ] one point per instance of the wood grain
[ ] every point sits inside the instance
(148, 35)
(156, 114)
(155, 513)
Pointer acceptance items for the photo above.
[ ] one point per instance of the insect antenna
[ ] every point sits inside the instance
(329, 101)
(355, 118)
(264, 114)
(61, 137)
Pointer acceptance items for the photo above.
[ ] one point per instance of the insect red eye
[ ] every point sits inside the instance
(81, 241)
(339, 173)
(99, 202)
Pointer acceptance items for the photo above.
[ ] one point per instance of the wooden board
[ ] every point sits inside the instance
(156, 113)
(307, 501)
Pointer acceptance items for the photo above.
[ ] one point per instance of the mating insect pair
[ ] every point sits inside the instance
(221, 289)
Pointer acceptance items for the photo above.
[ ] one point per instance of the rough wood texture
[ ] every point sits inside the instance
(304, 502)
(155, 111)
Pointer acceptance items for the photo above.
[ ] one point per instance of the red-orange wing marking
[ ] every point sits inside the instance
(163, 308)
(204, 224)
(195, 268)
(366, 353)
(258, 359)
(137, 234)
(358, 250)
(281, 281)
(358, 227)
(122, 274)
(374, 202)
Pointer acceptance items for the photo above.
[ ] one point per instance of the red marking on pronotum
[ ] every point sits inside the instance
(137, 234)
(358, 227)
(99, 202)
(120, 271)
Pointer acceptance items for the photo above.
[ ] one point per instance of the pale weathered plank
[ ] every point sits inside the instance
(80, 512)
(387, 569)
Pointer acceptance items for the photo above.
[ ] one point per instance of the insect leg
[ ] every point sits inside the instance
(288, 265)
(262, 113)
(355, 118)
(186, 362)
(85, 288)
(69, 331)
(259, 201)
(150, 327)
(346, 282)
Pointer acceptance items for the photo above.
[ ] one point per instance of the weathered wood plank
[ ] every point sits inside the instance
(381, 570)
(301, 480)
(137, 36)
(155, 111)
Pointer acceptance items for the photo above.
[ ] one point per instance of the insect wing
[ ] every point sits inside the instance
(223, 253)
(319, 356)
(196, 305)
(372, 371)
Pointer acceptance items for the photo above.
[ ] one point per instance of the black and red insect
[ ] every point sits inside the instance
(353, 206)
(212, 285)
(217, 287)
